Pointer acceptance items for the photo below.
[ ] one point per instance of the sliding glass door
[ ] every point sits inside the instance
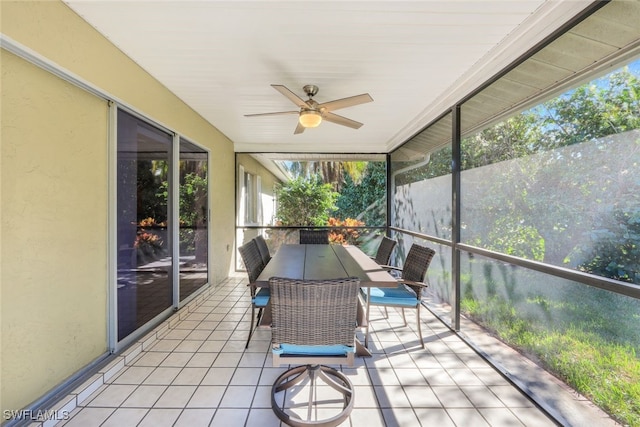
(194, 214)
(146, 228)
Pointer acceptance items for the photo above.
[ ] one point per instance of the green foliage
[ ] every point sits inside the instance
(151, 182)
(615, 252)
(365, 200)
(511, 237)
(193, 208)
(361, 186)
(193, 196)
(513, 202)
(604, 107)
(439, 164)
(193, 215)
(516, 137)
(333, 173)
(305, 202)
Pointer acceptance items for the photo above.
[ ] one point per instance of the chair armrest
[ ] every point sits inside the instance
(390, 267)
(412, 283)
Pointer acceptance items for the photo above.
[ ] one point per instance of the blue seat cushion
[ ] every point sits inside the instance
(314, 350)
(400, 295)
(262, 297)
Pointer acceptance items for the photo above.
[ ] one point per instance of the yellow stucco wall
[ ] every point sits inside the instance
(54, 222)
(54, 200)
(251, 165)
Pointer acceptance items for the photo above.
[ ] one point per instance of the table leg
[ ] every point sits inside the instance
(265, 320)
(362, 317)
(366, 322)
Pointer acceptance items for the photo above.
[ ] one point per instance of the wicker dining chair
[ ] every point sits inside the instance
(263, 249)
(314, 237)
(313, 325)
(259, 297)
(383, 255)
(408, 292)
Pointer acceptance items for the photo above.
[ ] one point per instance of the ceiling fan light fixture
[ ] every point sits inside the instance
(311, 113)
(310, 118)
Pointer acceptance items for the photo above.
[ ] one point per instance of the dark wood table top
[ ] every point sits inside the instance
(318, 262)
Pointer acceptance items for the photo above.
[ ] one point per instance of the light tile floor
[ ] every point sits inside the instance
(199, 374)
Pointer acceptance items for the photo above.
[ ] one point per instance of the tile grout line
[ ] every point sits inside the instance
(78, 396)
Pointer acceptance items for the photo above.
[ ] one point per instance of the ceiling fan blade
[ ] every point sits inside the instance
(292, 96)
(334, 118)
(299, 129)
(272, 114)
(346, 102)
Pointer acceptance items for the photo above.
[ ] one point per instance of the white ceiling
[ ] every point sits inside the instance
(415, 58)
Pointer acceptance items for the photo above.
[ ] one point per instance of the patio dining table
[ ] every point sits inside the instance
(322, 262)
(325, 262)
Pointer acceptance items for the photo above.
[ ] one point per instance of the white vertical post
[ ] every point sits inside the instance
(174, 218)
(112, 228)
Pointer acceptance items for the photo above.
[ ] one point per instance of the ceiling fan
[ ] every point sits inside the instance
(311, 113)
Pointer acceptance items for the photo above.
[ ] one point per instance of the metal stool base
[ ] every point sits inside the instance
(337, 380)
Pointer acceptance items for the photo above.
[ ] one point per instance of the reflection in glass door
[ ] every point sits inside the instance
(144, 284)
(194, 214)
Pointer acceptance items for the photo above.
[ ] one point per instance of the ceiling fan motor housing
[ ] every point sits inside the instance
(310, 90)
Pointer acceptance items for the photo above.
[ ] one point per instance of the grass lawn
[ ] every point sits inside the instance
(588, 345)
